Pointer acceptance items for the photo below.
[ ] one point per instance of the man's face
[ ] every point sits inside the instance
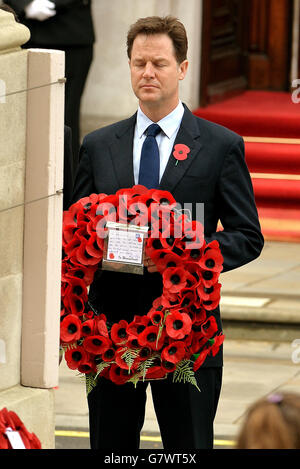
(155, 72)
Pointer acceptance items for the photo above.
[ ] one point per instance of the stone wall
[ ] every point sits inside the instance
(31, 181)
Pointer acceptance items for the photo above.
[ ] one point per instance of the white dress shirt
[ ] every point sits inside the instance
(165, 140)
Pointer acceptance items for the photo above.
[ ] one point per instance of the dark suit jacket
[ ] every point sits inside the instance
(71, 26)
(68, 168)
(214, 173)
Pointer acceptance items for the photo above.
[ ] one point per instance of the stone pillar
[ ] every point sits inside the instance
(31, 182)
(43, 218)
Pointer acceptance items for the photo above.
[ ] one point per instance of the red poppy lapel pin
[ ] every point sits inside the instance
(180, 152)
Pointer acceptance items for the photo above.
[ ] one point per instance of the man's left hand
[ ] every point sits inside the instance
(149, 264)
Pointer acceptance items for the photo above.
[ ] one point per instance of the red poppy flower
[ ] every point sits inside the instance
(169, 300)
(88, 328)
(187, 299)
(174, 352)
(138, 324)
(85, 273)
(168, 367)
(75, 304)
(144, 353)
(210, 296)
(198, 342)
(218, 341)
(148, 338)
(152, 245)
(193, 238)
(212, 258)
(155, 372)
(119, 360)
(70, 328)
(138, 212)
(87, 367)
(109, 354)
(77, 287)
(83, 257)
(193, 275)
(156, 317)
(94, 248)
(174, 279)
(181, 151)
(166, 260)
(74, 356)
(201, 359)
(68, 234)
(198, 315)
(178, 325)
(209, 278)
(119, 332)
(89, 314)
(96, 344)
(118, 375)
(162, 197)
(108, 206)
(210, 327)
(101, 325)
(70, 249)
(132, 342)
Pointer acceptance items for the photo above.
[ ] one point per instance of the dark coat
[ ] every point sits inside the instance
(214, 173)
(71, 26)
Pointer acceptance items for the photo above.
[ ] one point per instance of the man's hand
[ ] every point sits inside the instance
(40, 10)
(150, 265)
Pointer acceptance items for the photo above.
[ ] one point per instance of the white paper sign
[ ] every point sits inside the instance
(125, 246)
(14, 439)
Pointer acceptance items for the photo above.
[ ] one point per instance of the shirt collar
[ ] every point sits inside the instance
(169, 124)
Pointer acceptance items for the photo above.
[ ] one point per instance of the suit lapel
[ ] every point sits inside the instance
(188, 134)
(121, 151)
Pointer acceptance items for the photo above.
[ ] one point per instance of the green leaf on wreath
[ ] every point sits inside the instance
(101, 366)
(90, 383)
(129, 356)
(185, 373)
(145, 365)
(162, 325)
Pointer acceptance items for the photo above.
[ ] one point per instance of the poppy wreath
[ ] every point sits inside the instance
(179, 331)
(9, 421)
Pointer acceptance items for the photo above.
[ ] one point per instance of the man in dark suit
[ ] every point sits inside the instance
(214, 173)
(64, 25)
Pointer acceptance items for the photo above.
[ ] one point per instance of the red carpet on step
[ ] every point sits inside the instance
(274, 165)
(257, 114)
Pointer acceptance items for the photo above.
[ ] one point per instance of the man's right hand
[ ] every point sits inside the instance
(40, 10)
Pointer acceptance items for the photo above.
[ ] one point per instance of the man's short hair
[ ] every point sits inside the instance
(156, 25)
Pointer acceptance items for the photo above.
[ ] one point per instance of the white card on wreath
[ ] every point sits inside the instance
(124, 248)
(14, 439)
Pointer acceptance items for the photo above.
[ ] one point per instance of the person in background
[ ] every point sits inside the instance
(272, 423)
(64, 25)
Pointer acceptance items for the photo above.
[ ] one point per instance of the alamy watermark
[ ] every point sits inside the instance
(2, 91)
(296, 353)
(296, 92)
(164, 220)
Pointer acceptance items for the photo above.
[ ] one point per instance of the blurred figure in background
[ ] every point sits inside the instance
(64, 25)
(272, 423)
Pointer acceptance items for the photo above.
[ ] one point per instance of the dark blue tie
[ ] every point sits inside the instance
(149, 164)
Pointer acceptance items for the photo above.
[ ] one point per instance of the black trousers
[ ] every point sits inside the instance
(185, 415)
